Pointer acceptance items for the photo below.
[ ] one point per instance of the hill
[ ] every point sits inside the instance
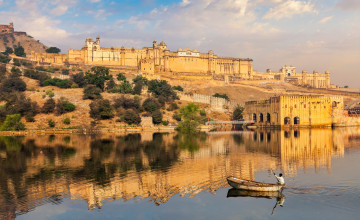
(27, 42)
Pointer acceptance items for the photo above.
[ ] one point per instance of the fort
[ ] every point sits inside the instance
(299, 111)
(158, 59)
(7, 28)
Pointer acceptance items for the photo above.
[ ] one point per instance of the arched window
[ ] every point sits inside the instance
(261, 117)
(296, 121)
(254, 117)
(268, 117)
(287, 121)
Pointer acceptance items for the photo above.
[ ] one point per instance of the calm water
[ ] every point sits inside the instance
(170, 176)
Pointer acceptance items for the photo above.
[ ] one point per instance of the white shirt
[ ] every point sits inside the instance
(280, 179)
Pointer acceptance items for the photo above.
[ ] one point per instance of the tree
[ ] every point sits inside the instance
(19, 51)
(218, 95)
(127, 103)
(63, 106)
(110, 84)
(140, 78)
(53, 50)
(65, 71)
(151, 105)
(79, 79)
(157, 117)
(125, 87)
(238, 113)
(8, 51)
(51, 123)
(13, 84)
(49, 106)
(138, 88)
(190, 118)
(97, 76)
(121, 77)
(101, 109)
(12, 123)
(131, 117)
(178, 88)
(162, 88)
(92, 92)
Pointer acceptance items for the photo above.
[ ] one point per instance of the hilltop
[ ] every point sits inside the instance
(27, 42)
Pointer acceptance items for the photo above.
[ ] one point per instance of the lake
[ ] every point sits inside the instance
(175, 176)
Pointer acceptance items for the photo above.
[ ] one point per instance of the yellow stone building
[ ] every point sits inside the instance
(187, 62)
(159, 58)
(289, 74)
(298, 111)
(51, 58)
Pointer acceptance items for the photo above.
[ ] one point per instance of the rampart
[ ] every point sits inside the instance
(217, 104)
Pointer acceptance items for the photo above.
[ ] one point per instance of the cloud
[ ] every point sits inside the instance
(325, 20)
(59, 10)
(290, 8)
(185, 2)
(95, 1)
(349, 4)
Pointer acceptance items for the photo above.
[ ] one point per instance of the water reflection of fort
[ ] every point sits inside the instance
(98, 169)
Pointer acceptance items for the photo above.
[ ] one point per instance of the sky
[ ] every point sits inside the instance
(308, 34)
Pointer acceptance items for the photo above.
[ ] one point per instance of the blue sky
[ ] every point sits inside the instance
(309, 34)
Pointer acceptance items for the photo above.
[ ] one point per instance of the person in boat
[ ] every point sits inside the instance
(280, 178)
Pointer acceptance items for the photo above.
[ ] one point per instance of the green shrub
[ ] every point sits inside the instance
(165, 123)
(51, 123)
(50, 93)
(178, 88)
(64, 106)
(61, 83)
(12, 123)
(218, 95)
(66, 121)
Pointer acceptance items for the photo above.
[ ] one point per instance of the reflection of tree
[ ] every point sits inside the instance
(159, 155)
(191, 141)
(238, 138)
(94, 168)
(12, 143)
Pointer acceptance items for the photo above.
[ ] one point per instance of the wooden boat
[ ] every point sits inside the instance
(252, 185)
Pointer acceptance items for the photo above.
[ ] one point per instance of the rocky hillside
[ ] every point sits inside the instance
(27, 42)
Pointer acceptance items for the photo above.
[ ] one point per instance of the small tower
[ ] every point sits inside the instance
(154, 44)
(97, 43)
(11, 27)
